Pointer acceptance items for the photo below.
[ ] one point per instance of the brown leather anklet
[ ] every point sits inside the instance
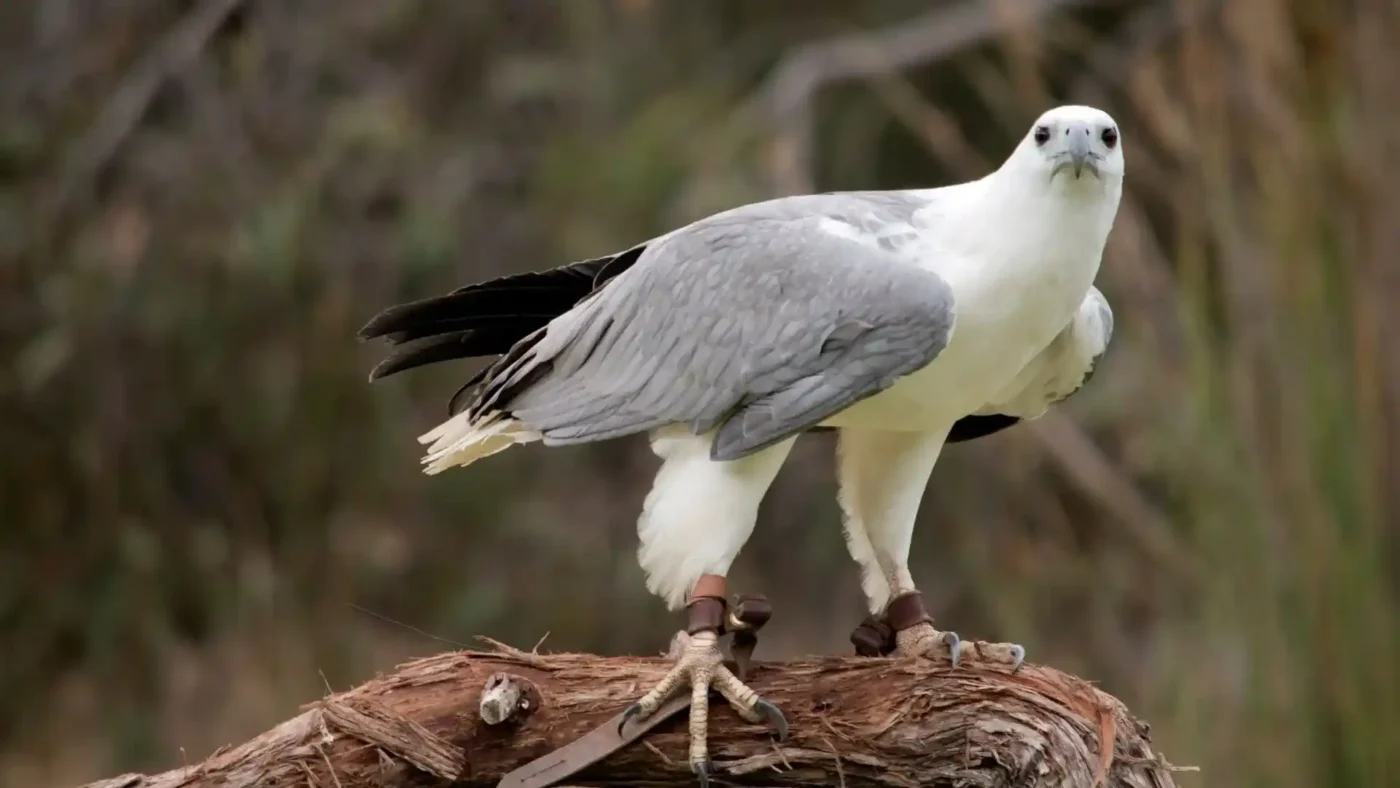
(907, 610)
(707, 606)
(710, 612)
(874, 637)
(749, 614)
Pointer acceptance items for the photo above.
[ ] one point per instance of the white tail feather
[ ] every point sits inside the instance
(459, 441)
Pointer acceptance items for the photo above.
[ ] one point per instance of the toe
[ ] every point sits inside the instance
(1013, 655)
(702, 773)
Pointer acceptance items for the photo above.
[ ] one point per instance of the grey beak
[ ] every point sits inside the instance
(1079, 152)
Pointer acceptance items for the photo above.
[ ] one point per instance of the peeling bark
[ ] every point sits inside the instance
(855, 722)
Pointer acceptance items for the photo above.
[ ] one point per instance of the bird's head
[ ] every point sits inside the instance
(1075, 147)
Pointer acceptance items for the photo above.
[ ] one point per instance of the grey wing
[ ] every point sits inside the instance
(1057, 372)
(758, 325)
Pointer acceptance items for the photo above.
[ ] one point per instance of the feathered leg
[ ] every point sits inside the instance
(882, 477)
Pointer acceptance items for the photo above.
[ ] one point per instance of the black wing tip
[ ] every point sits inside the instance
(391, 365)
(518, 305)
(397, 363)
(537, 293)
(404, 317)
(373, 330)
(386, 322)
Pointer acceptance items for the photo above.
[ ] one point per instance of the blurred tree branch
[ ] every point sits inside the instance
(123, 111)
(201, 485)
(791, 90)
(1095, 475)
(856, 722)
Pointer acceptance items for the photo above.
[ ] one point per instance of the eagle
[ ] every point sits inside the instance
(903, 320)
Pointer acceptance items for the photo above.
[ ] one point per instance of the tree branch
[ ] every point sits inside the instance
(473, 716)
(132, 98)
(791, 89)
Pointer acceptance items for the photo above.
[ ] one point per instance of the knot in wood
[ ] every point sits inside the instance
(508, 698)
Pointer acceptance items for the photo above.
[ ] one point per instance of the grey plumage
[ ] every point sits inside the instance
(756, 321)
(1079, 370)
(1106, 316)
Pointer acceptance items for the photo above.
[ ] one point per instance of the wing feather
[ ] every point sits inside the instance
(1055, 374)
(760, 324)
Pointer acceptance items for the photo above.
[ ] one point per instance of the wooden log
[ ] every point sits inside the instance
(473, 716)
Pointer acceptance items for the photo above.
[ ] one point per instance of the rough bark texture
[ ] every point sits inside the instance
(855, 722)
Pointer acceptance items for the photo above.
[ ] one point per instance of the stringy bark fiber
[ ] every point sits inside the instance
(855, 722)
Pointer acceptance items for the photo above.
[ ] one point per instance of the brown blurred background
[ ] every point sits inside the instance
(208, 513)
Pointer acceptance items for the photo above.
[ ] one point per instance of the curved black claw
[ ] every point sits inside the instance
(702, 773)
(627, 714)
(952, 641)
(774, 717)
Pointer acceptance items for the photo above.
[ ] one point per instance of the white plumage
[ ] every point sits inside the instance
(1019, 250)
(897, 318)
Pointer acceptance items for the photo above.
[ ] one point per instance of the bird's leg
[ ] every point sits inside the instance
(882, 477)
(700, 663)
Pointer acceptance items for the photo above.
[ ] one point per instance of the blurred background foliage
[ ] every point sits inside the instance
(209, 515)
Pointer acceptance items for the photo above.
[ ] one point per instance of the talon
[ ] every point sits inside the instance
(702, 773)
(774, 716)
(627, 714)
(954, 644)
(1018, 655)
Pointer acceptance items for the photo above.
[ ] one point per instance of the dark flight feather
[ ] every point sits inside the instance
(487, 318)
(492, 318)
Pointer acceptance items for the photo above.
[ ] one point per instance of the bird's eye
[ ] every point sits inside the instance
(1109, 136)
(1042, 135)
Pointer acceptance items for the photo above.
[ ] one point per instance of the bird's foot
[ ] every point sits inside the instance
(922, 640)
(906, 629)
(700, 664)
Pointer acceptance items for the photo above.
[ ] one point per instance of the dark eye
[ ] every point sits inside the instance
(1042, 135)
(1109, 136)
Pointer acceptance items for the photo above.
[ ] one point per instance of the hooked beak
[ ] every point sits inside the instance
(1078, 154)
